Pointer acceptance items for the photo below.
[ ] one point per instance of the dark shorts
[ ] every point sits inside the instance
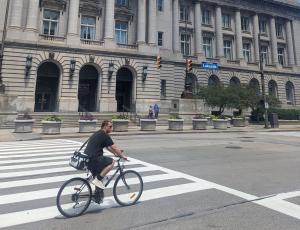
(98, 164)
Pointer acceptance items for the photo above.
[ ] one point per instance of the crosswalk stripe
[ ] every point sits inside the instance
(35, 143)
(57, 170)
(39, 154)
(47, 193)
(33, 215)
(36, 148)
(37, 151)
(16, 161)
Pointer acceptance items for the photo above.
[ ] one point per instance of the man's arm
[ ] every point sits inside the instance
(117, 151)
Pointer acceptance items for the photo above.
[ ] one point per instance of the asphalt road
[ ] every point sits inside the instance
(250, 181)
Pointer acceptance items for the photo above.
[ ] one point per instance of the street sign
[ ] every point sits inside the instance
(208, 65)
(266, 105)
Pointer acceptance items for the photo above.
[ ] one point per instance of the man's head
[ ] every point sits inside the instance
(106, 126)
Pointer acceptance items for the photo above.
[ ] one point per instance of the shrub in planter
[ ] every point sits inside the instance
(199, 122)
(51, 125)
(120, 123)
(175, 122)
(148, 124)
(220, 122)
(23, 123)
(239, 121)
(87, 123)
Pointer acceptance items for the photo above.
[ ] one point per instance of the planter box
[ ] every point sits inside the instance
(87, 126)
(51, 127)
(229, 120)
(120, 125)
(176, 124)
(238, 122)
(220, 123)
(199, 124)
(209, 121)
(148, 124)
(23, 126)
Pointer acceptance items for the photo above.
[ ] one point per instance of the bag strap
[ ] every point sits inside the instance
(84, 144)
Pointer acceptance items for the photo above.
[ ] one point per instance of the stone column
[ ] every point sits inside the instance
(141, 22)
(273, 41)
(219, 34)
(73, 35)
(238, 36)
(255, 36)
(176, 44)
(32, 19)
(152, 22)
(109, 23)
(289, 39)
(16, 13)
(198, 30)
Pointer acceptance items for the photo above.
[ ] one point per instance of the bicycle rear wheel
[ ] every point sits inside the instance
(74, 197)
(128, 188)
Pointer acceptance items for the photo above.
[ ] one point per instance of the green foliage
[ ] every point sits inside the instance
(286, 114)
(120, 117)
(24, 116)
(87, 117)
(52, 118)
(174, 116)
(199, 116)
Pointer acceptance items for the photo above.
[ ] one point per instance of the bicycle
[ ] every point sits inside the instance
(75, 195)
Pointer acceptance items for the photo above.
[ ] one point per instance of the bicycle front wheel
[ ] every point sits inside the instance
(128, 188)
(74, 197)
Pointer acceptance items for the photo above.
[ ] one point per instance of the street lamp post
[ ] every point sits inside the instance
(261, 67)
(2, 86)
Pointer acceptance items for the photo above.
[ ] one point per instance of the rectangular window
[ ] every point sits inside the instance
(228, 49)
(88, 28)
(281, 58)
(160, 36)
(262, 26)
(185, 44)
(264, 54)
(50, 22)
(121, 32)
(206, 17)
(245, 24)
(160, 5)
(163, 88)
(123, 3)
(247, 52)
(184, 13)
(279, 31)
(207, 47)
(226, 21)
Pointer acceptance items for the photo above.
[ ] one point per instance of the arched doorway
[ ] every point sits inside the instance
(234, 81)
(254, 84)
(213, 80)
(124, 88)
(191, 83)
(290, 93)
(46, 91)
(87, 89)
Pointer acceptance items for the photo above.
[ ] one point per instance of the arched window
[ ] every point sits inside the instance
(255, 85)
(213, 80)
(234, 81)
(290, 93)
(272, 86)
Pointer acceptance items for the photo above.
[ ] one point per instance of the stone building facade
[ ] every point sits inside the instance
(100, 55)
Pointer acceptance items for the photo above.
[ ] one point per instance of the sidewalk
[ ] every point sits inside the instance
(9, 135)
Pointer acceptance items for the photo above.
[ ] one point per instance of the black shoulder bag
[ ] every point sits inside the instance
(79, 160)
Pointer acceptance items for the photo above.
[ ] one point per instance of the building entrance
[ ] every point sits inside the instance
(87, 89)
(124, 90)
(46, 91)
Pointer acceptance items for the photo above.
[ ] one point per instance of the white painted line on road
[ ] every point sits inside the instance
(39, 154)
(47, 193)
(33, 215)
(34, 143)
(42, 159)
(60, 169)
(12, 150)
(288, 195)
(23, 153)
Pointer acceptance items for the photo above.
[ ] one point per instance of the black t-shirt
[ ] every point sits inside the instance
(96, 143)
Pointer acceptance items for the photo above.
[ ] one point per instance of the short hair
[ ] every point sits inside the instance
(105, 123)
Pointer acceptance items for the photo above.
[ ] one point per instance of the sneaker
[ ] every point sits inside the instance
(98, 183)
(98, 195)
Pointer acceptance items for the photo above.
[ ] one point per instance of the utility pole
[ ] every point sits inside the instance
(261, 67)
(2, 86)
(186, 56)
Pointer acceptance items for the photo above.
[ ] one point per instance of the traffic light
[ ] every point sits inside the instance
(189, 65)
(158, 62)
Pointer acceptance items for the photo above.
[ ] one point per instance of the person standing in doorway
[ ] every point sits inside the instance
(156, 110)
(150, 113)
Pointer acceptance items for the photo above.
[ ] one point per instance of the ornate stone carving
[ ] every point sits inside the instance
(54, 4)
(91, 8)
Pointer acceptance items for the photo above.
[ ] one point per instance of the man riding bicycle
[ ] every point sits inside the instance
(98, 164)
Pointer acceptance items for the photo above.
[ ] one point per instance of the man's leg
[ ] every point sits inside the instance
(107, 169)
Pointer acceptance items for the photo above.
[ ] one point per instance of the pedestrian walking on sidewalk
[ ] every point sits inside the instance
(156, 110)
